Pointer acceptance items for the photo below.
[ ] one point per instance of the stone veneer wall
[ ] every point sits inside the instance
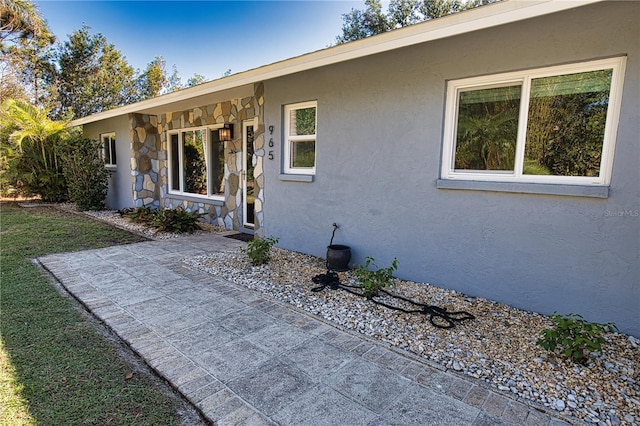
(149, 159)
(146, 154)
(258, 158)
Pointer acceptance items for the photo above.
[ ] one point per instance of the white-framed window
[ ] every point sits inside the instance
(300, 122)
(547, 125)
(196, 162)
(109, 149)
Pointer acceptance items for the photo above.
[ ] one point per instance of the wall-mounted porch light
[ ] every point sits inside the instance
(225, 134)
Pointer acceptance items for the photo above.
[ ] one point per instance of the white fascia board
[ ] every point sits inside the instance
(504, 12)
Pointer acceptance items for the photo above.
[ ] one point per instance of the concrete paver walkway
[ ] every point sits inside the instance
(242, 359)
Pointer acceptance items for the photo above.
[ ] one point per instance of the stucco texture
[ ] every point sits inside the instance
(119, 193)
(379, 148)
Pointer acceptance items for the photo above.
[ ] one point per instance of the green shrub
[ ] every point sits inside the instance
(35, 170)
(29, 152)
(258, 250)
(176, 220)
(84, 172)
(374, 280)
(168, 220)
(139, 214)
(573, 336)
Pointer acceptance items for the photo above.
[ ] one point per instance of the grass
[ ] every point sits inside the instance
(56, 368)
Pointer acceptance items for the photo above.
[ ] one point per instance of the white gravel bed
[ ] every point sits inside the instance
(114, 218)
(498, 347)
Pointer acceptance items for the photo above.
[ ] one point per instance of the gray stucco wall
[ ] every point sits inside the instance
(119, 193)
(379, 147)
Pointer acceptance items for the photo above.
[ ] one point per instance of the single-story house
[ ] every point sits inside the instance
(495, 152)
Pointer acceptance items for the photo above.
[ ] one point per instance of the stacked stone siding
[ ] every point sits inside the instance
(146, 155)
(258, 158)
(149, 159)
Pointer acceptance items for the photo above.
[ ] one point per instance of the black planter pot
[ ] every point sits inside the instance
(338, 257)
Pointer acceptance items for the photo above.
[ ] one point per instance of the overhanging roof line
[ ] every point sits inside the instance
(507, 11)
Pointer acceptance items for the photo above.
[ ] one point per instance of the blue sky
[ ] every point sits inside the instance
(204, 37)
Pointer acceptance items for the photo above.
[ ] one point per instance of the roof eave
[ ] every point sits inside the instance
(501, 13)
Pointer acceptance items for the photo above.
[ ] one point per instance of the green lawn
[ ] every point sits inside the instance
(56, 368)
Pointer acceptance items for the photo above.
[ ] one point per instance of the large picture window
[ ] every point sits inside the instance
(551, 125)
(300, 138)
(109, 149)
(196, 162)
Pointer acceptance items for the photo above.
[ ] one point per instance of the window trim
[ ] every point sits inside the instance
(288, 139)
(112, 162)
(207, 130)
(454, 87)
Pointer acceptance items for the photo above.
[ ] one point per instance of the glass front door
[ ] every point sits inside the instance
(248, 182)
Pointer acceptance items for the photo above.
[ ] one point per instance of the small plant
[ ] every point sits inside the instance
(139, 214)
(176, 220)
(372, 281)
(258, 250)
(574, 336)
(169, 220)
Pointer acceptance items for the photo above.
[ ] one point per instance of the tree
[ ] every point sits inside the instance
(29, 122)
(153, 81)
(195, 80)
(403, 13)
(359, 24)
(25, 42)
(32, 67)
(10, 85)
(92, 75)
(174, 81)
(29, 154)
(434, 9)
(83, 76)
(20, 20)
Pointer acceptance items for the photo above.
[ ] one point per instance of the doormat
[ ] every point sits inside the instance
(240, 236)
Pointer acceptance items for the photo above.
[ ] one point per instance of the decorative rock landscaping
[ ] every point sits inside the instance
(498, 348)
(113, 217)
